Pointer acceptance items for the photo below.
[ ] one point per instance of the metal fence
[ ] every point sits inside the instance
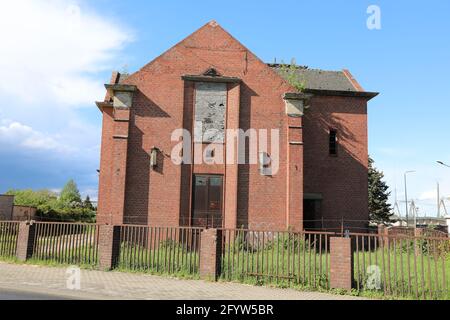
(281, 257)
(9, 231)
(173, 250)
(402, 265)
(68, 243)
(398, 264)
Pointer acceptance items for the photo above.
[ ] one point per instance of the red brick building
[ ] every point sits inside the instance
(212, 80)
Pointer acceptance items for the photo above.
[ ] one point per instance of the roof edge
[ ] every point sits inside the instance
(352, 80)
(357, 94)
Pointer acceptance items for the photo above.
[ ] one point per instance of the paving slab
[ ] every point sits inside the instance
(53, 281)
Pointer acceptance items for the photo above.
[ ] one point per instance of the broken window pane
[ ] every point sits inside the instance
(210, 107)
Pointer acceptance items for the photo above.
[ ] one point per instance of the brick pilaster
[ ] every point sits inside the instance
(232, 168)
(295, 174)
(210, 254)
(25, 241)
(341, 263)
(108, 246)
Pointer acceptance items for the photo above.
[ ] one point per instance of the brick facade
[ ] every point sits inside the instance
(131, 191)
(341, 263)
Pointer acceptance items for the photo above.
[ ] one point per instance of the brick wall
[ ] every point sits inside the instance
(23, 213)
(6, 207)
(341, 180)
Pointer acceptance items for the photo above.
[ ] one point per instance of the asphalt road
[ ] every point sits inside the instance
(9, 294)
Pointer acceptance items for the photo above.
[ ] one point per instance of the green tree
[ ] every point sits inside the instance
(87, 204)
(70, 195)
(380, 210)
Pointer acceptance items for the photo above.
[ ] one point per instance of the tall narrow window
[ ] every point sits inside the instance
(210, 108)
(333, 142)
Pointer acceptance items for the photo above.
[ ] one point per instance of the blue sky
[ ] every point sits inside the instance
(56, 54)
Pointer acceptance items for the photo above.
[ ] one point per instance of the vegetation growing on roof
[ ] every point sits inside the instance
(291, 74)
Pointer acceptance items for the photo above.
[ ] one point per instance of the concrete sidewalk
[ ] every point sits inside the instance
(119, 285)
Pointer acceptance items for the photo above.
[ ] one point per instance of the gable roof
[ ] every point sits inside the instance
(324, 82)
(317, 79)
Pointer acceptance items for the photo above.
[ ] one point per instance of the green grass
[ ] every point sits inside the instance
(410, 271)
(295, 264)
(169, 258)
(47, 263)
(83, 256)
(77, 248)
(289, 262)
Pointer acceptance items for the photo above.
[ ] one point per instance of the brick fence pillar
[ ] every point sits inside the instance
(383, 234)
(210, 254)
(25, 240)
(341, 263)
(108, 246)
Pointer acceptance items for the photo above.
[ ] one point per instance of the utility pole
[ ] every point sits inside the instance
(406, 196)
(441, 201)
(414, 210)
(396, 208)
(438, 202)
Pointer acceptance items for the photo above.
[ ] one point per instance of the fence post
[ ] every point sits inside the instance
(447, 219)
(210, 254)
(25, 240)
(108, 246)
(341, 263)
(383, 234)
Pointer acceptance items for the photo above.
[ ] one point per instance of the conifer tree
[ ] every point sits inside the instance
(380, 210)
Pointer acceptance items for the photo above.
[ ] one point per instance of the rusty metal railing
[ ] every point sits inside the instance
(402, 265)
(171, 250)
(9, 231)
(67, 243)
(281, 257)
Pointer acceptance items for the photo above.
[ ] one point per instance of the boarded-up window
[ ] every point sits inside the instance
(210, 108)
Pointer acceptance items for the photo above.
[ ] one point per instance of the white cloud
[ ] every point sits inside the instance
(428, 195)
(13, 134)
(55, 57)
(52, 49)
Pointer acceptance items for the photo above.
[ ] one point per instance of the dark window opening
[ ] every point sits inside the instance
(333, 142)
(207, 201)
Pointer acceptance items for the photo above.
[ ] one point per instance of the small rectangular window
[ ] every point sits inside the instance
(333, 142)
